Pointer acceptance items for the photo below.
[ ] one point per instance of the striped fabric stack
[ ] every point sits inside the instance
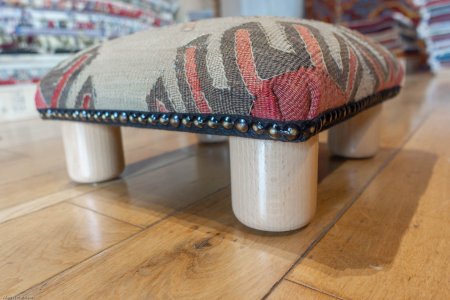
(435, 30)
(67, 25)
(36, 34)
(395, 31)
(392, 23)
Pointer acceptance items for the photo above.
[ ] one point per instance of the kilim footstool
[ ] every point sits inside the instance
(270, 84)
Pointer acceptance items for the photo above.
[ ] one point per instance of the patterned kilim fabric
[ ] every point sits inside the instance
(262, 77)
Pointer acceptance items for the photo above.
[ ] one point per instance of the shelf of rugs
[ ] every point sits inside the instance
(34, 35)
(123, 8)
(63, 25)
(16, 22)
(435, 30)
(26, 68)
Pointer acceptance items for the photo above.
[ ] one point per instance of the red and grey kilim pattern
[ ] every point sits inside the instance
(261, 67)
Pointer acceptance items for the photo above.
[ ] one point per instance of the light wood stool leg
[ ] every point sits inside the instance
(358, 137)
(274, 184)
(211, 139)
(93, 152)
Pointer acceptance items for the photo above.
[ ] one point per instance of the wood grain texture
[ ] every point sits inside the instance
(358, 137)
(395, 241)
(39, 165)
(205, 245)
(40, 185)
(202, 249)
(32, 152)
(22, 133)
(6, 156)
(144, 197)
(405, 113)
(291, 290)
(27, 202)
(274, 184)
(50, 241)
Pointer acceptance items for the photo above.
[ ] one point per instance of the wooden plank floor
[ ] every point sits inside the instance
(165, 229)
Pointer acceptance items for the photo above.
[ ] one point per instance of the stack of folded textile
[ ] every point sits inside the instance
(392, 23)
(67, 26)
(435, 30)
(51, 29)
(395, 31)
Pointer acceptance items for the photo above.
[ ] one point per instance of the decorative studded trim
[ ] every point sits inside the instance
(230, 125)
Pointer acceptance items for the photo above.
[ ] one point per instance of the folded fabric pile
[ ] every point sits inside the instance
(395, 31)
(435, 30)
(69, 26)
(55, 27)
(392, 23)
(26, 68)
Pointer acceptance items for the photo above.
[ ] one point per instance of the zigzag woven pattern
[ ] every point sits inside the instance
(263, 67)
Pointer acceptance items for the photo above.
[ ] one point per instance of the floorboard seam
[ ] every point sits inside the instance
(315, 289)
(57, 169)
(103, 214)
(42, 208)
(19, 295)
(99, 187)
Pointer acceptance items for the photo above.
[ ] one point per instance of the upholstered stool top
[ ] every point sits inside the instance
(259, 77)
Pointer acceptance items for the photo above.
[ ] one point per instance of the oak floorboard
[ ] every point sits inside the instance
(37, 156)
(6, 156)
(405, 113)
(54, 186)
(32, 204)
(42, 185)
(21, 133)
(129, 206)
(51, 241)
(194, 245)
(147, 197)
(45, 177)
(139, 144)
(19, 166)
(394, 242)
(204, 245)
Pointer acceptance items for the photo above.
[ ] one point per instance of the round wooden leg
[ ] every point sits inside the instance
(274, 184)
(358, 137)
(211, 139)
(93, 152)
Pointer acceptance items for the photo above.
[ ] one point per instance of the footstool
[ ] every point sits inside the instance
(270, 84)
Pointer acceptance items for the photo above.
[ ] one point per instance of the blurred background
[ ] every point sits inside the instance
(37, 34)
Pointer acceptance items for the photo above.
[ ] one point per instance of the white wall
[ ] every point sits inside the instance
(281, 8)
(191, 5)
